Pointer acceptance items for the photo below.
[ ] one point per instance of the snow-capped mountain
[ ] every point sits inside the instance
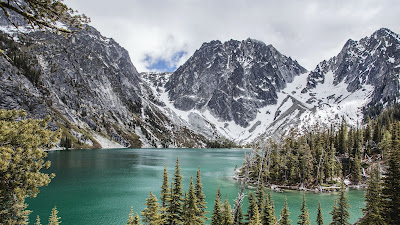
(248, 90)
(239, 90)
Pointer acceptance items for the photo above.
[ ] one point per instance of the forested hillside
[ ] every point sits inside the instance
(321, 157)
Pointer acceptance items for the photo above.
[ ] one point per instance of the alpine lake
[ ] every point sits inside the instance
(100, 186)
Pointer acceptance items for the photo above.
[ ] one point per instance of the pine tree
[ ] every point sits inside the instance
(22, 142)
(201, 198)
(268, 216)
(165, 195)
(284, 220)
(373, 198)
(151, 214)
(133, 219)
(192, 212)
(391, 184)
(227, 218)
(54, 219)
(38, 221)
(165, 192)
(176, 204)
(340, 213)
(216, 218)
(250, 208)
(320, 219)
(304, 216)
(356, 170)
(260, 197)
(256, 218)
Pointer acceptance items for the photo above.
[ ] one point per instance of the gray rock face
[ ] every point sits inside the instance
(372, 61)
(232, 79)
(89, 86)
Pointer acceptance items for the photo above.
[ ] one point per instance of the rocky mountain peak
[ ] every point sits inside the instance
(231, 80)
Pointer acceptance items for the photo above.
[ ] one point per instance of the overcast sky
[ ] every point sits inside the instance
(162, 34)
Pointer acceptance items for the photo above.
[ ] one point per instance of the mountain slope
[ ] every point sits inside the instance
(248, 90)
(89, 86)
(231, 80)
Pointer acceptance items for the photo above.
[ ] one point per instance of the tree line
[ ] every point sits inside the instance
(323, 156)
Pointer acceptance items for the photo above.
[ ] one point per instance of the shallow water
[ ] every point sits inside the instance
(99, 186)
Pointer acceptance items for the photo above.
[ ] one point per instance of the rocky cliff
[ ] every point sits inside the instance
(89, 86)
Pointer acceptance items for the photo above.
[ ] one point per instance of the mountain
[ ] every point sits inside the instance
(372, 61)
(88, 85)
(231, 80)
(246, 90)
(242, 91)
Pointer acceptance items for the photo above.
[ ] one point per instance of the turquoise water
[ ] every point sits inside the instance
(99, 186)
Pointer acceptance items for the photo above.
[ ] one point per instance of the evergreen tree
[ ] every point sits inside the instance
(22, 142)
(340, 213)
(165, 192)
(284, 220)
(192, 212)
(227, 218)
(304, 216)
(391, 185)
(165, 196)
(133, 219)
(38, 221)
(320, 219)
(176, 204)
(356, 170)
(54, 219)
(260, 197)
(373, 198)
(216, 218)
(268, 216)
(201, 198)
(256, 218)
(151, 214)
(250, 208)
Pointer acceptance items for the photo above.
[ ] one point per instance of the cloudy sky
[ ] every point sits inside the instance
(162, 34)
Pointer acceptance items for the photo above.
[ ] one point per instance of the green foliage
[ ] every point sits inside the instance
(151, 214)
(21, 158)
(251, 206)
(373, 197)
(391, 181)
(304, 217)
(133, 219)
(165, 192)
(54, 219)
(191, 214)
(268, 216)
(227, 217)
(284, 220)
(340, 213)
(200, 197)
(320, 219)
(38, 221)
(256, 218)
(175, 206)
(216, 217)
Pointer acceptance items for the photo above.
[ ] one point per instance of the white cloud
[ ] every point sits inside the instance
(308, 31)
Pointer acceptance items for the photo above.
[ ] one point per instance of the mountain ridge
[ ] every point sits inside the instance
(243, 91)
